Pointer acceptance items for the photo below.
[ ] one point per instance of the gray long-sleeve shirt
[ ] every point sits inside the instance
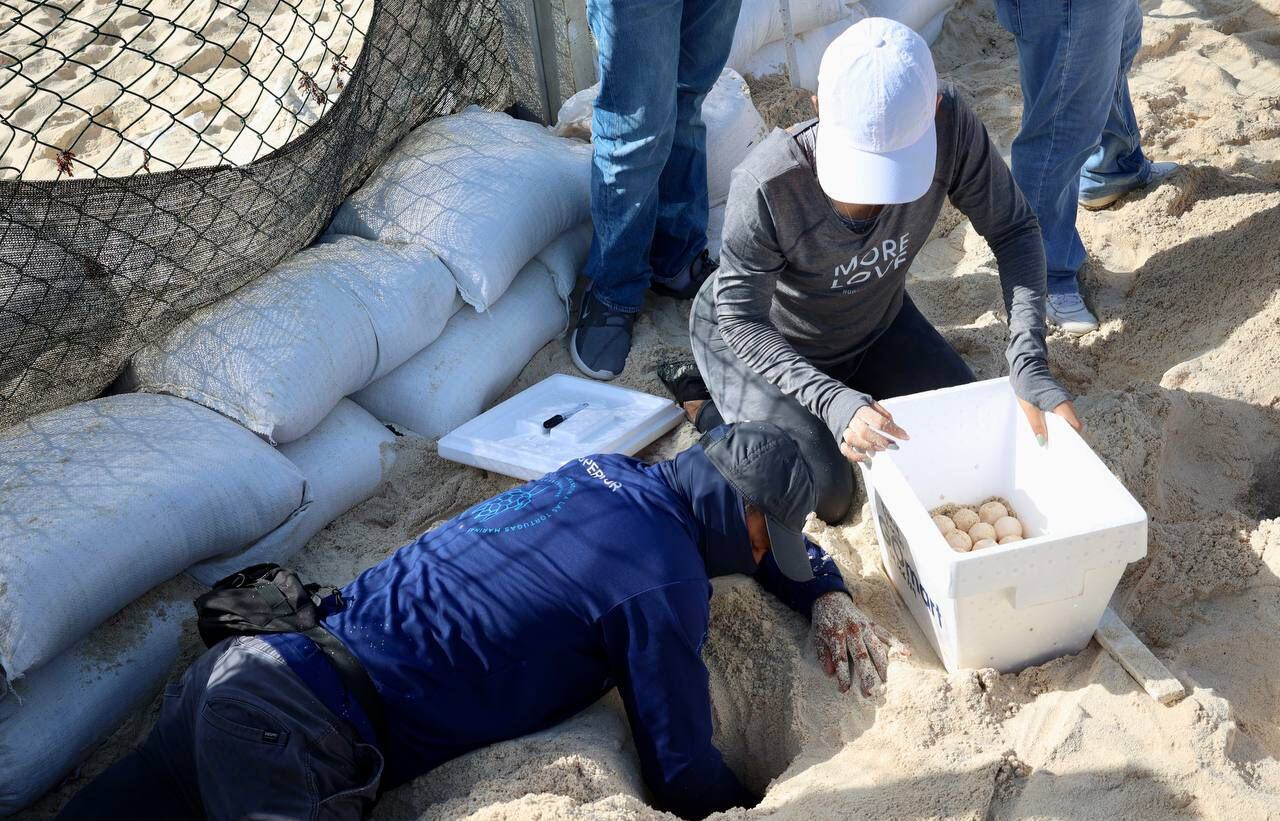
(799, 290)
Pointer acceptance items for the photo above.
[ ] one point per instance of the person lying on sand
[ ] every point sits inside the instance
(505, 620)
(807, 321)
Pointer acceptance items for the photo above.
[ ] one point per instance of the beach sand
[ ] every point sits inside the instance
(1180, 390)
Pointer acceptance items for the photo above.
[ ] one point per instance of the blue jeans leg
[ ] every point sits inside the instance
(1118, 164)
(638, 44)
(1069, 56)
(706, 35)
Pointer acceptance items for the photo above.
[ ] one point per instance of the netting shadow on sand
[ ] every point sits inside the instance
(156, 155)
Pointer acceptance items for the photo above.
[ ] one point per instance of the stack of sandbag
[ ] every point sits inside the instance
(483, 191)
(102, 502)
(460, 374)
(814, 25)
(344, 460)
(810, 46)
(505, 204)
(53, 718)
(733, 126)
(760, 26)
(278, 354)
(925, 16)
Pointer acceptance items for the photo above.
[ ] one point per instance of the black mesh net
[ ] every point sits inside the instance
(156, 155)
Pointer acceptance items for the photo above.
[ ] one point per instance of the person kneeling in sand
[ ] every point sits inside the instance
(808, 322)
(505, 620)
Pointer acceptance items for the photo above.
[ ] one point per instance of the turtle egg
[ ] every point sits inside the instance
(1008, 526)
(960, 541)
(992, 512)
(1010, 539)
(981, 531)
(981, 543)
(964, 519)
(944, 523)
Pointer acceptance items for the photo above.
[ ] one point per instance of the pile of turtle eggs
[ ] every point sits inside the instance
(966, 529)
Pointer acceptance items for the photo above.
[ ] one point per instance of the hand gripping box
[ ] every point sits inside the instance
(1014, 605)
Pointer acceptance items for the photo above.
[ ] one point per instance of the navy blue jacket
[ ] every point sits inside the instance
(525, 609)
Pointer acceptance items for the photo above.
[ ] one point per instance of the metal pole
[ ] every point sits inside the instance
(789, 41)
(582, 53)
(544, 24)
(529, 34)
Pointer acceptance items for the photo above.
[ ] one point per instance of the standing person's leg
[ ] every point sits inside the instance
(1069, 58)
(740, 394)
(634, 122)
(706, 36)
(1118, 164)
(909, 357)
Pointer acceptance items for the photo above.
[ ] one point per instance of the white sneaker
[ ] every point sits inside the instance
(1160, 171)
(1069, 313)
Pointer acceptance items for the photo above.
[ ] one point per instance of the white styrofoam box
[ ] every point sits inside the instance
(733, 125)
(344, 459)
(279, 353)
(54, 717)
(760, 22)
(473, 361)
(509, 438)
(104, 500)
(810, 46)
(925, 16)
(1013, 605)
(483, 190)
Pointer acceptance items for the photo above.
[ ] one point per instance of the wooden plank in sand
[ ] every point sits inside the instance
(1141, 663)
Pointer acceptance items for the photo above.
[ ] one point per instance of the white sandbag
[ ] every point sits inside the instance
(106, 499)
(732, 121)
(344, 459)
(278, 354)
(760, 22)
(921, 15)
(566, 257)
(474, 360)
(931, 30)
(772, 57)
(54, 717)
(734, 125)
(482, 190)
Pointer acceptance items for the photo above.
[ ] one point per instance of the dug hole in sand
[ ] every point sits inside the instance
(1180, 393)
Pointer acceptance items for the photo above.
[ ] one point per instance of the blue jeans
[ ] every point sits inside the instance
(1079, 135)
(658, 60)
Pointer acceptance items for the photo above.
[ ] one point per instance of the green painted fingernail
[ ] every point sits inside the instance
(1040, 439)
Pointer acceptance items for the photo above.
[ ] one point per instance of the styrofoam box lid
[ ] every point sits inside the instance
(509, 438)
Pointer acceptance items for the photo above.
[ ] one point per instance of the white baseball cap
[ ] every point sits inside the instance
(877, 95)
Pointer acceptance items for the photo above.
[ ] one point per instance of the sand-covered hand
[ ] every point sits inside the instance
(850, 645)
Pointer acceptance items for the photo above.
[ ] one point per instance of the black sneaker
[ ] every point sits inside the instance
(683, 380)
(602, 340)
(685, 284)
